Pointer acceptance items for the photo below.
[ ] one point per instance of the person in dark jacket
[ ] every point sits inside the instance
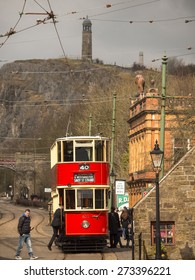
(126, 220)
(57, 225)
(24, 229)
(114, 225)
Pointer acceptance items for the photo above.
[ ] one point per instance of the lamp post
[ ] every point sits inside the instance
(112, 181)
(157, 158)
(35, 155)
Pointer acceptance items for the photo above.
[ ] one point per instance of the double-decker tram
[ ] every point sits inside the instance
(80, 182)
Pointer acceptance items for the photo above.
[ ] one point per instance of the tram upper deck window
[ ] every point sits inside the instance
(107, 151)
(84, 154)
(68, 150)
(99, 145)
(59, 151)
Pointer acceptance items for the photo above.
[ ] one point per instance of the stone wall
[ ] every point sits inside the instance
(32, 175)
(177, 204)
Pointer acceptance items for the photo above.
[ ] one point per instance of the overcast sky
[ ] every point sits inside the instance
(115, 40)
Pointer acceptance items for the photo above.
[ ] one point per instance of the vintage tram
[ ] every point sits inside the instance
(80, 182)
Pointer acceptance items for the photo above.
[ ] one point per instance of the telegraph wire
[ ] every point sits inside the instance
(57, 72)
(125, 8)
(146, 21)
(72, 102)
(174, 56)
(107, 6)
(51, 103)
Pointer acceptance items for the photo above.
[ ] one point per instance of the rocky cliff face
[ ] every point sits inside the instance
(37, 96)
(41, 100)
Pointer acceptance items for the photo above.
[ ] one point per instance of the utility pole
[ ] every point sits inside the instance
(113, 131)
(163, 103)
(112, 147)
(90, 120)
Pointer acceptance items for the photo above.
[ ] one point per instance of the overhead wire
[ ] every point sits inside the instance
(54, 22)
(125, 8)
(12, 30)
(48, 103)
(107, 6)
(174, 56)
(50, 15)
(146, 21)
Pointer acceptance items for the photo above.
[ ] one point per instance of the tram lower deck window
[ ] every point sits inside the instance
(99, 199)
(85, 198)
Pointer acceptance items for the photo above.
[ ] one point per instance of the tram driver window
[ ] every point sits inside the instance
(85, 199)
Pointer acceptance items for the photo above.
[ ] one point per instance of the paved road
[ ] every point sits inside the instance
(9, 215)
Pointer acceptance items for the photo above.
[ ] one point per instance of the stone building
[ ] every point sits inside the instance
(144, 130)
(87, 40)
(177, 212)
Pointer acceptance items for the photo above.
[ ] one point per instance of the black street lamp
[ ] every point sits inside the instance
(157, 158)
(112, 182)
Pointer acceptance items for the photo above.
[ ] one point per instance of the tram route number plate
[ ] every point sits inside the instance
(84, 166)
(78, 178)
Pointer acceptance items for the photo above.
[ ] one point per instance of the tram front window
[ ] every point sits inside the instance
(85, 199)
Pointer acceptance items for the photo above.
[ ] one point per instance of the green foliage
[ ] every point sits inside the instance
(164, 255)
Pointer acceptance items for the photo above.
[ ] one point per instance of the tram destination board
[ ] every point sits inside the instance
(87, 177)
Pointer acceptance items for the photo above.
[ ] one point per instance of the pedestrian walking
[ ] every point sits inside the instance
(57, 225)
(24, 230)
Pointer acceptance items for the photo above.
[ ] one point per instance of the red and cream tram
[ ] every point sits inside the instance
(80, 182)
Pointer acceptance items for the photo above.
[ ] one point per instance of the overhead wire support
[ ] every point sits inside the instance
(12, 30)
(50, 15)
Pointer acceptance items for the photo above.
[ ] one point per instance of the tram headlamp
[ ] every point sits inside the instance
(85, 224)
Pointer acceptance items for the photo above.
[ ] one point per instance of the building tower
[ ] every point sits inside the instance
(87, 40)
(141, 58)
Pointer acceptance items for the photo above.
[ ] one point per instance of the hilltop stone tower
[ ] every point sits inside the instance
(141, 58)
(87, 40)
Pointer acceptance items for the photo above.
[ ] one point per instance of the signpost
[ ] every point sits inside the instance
(122, 201)
(47, 189)
(120, 186)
